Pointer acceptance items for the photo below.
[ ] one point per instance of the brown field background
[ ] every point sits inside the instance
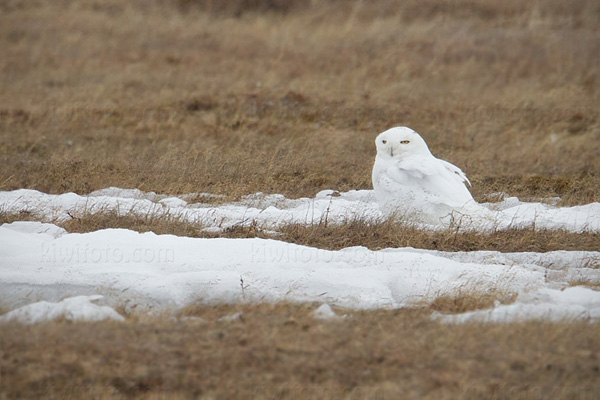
(287, 96)
(281, 352)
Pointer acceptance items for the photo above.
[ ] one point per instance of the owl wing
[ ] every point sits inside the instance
(441, 181)
(455, 170)
(391, 175)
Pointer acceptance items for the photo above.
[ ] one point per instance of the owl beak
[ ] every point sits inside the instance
(391, 151)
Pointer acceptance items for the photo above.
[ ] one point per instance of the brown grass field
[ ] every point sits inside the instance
(280, 352)
(287, 96)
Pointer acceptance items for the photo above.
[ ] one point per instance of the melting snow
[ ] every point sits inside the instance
(78, 308)
(41, 261)
(146, 270)
(325, 312)
(273, 211)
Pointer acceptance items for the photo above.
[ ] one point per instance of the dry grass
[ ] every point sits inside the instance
(373, 235)
(590, 283)
(390, 234)
(287, 96)
(469, 299)
(8, 217)
(160, 225)
(280, 352)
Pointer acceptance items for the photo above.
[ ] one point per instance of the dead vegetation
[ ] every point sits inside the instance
(286, 96)
(391, 234)
(469, 299)
(373, 235)
(278, 351)
(160, 225)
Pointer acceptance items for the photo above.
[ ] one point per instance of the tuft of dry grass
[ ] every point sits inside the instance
(161, 224)
(278, 351)
(9, 217)
(469, 299)
(590, 283)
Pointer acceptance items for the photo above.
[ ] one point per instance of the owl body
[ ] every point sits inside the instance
(410, 182)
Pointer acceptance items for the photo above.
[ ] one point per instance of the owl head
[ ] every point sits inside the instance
(399, 142)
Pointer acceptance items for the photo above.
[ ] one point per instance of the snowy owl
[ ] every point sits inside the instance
(410, 182)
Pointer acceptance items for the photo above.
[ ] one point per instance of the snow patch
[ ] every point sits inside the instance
(153, 272)
(80, 308)
(325, 312)
(239, 316)
(41, 261)
(271, 211)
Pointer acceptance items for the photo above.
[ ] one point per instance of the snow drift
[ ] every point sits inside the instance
(41, 261)
(79, 308)
(273, 211)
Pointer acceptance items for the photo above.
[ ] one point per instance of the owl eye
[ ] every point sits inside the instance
(405, 141)
(384, 141)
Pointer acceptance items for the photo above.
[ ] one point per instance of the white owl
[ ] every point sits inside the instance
(411, 183)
